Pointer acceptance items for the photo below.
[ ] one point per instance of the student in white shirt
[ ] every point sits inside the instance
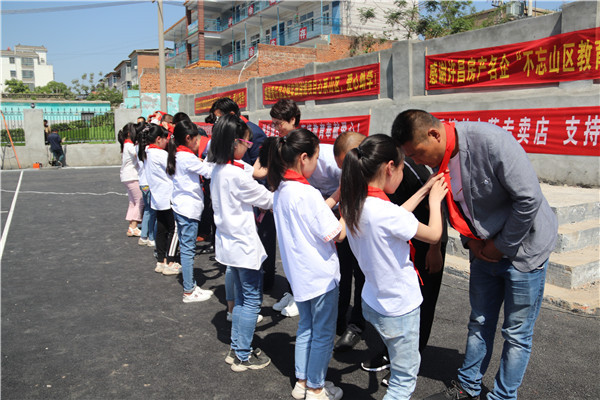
(129, 177)
(187, 200)
(237, 244)
(149, 216)
(161, 186)
(306, 232)
(378, 232)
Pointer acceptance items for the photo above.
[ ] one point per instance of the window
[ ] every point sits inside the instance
(254, 40)
(27, 61)
(11, 60)
(87, 115)
(27, 74)
(13, 74)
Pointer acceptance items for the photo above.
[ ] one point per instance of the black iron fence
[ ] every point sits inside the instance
(82, 125)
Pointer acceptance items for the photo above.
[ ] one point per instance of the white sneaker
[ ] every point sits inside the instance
(172, 269)
(328, 393)
(280, 305)
(259, 319)
(143, 242)
(197, 295)
(229, 319)
(151, 243)
(160, 267)
(291, 310)
(299, 391)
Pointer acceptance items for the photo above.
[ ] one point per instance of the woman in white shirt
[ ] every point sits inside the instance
(237, 244)
(187, 200)
(379, 233)
(129, 177)
(306, 231)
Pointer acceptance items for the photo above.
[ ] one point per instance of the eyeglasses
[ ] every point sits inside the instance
(246, 142)
(277, 123)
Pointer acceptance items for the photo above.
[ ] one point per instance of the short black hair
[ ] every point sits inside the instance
(412, 124)
(227, 106)
(286, 109)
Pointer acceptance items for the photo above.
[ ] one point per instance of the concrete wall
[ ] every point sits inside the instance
(81, 154)
(403, 86)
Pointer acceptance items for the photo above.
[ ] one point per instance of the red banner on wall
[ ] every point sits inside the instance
(206, 126)
(203, 104)
(327, 129)
(568, 131)
(351, 82)
(566, 57)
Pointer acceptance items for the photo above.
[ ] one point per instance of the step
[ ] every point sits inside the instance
(585, 299)
(574, 268)
(577, 235)
(572, 204)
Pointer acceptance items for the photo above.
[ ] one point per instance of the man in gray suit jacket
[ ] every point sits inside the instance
(509, 228)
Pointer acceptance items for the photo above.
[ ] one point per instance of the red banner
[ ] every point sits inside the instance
(273, 42)
(566, 57)
(203, 104)
(207, 127)
(351, 82)
(568, 131)
(327, 129)
(302, 33)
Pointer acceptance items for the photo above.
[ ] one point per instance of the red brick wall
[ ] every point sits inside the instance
(191, 81)
(147, 61)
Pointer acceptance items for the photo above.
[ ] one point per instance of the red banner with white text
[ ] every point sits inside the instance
(566, 57)
(202, 104)
(327, 129)
(351, 82)
(567, 131)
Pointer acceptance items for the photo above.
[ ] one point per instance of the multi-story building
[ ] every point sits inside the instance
(127, 73)
(28, 64)
(229, 31)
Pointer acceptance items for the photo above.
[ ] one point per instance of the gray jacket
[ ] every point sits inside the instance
(503, 195)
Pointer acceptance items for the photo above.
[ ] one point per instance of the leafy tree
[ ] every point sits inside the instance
(86, 86)
(55, 88)
(104, 93)
(16, 86)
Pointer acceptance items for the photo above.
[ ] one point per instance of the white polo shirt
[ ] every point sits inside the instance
(187, 198)
(305, 228)
(234, 192)
(161, 184)
(143, 181)
(380, 246)
(129, 165)
(326, 177)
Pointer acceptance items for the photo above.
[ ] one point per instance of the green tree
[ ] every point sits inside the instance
(55, 88)
(104, 93)
(446, 18)
(16, 86)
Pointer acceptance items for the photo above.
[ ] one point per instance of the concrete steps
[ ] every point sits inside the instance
(575, 262)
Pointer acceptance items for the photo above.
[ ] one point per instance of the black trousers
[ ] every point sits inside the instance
(165, 230)
(268, 237)
(349, 268)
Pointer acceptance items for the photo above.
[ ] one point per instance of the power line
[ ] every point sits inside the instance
(80, 7)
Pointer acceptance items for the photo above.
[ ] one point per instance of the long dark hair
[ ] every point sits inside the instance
(181, 131)
(225, 132)
(127, 132)
(284, 151)
(360, 166)
(148, 135)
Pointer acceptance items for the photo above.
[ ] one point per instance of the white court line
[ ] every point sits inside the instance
(65, 194)
(10, 215)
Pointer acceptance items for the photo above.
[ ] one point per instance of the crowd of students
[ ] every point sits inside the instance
(315, 201)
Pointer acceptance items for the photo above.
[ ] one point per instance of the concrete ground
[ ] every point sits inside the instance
(84, 316)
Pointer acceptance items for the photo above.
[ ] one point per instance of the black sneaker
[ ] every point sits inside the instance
(386, 379)
(377, 363)
(454, 392)
(257, 360)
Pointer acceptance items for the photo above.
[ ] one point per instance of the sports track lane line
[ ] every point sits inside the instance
(9, 218)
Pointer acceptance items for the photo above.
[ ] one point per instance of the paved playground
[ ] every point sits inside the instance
(84, 316)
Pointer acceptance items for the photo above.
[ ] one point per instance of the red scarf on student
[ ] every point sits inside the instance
(291, 175)
(186, 149)
(380, 194)
(456, 218)
(237, 164)
(127, 141)
(153, 146)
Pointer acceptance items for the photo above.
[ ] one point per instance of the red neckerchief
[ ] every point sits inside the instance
(153, 146)
(203, 143)
(237, 164)
(380, 194)
(456, 218)
(243, 119)
(186, 149)
(128, 141)
(291, 175)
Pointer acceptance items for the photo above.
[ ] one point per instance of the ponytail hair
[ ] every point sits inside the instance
(148, 135)
(128, 132)
(361, 165)
(225, 132)
(180, 133)
(284, 151)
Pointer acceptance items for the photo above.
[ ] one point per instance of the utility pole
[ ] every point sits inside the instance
(161, 58)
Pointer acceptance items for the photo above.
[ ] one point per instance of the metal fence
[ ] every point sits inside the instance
(80, 125)
(13, 120)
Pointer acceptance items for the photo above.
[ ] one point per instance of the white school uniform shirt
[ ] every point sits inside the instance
(187, 198)
(143, 181)
(161, 184)
(305, 228)
(326, 177)
(129, 165)
(234, 192)
(380, 246)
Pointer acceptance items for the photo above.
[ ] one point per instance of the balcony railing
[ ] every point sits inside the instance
(230, 19)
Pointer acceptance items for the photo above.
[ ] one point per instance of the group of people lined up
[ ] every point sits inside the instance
(355, 209)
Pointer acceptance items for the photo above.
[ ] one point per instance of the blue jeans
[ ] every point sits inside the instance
(315, 337)
(229, 285)
(248, 299)
(401, 337)
(149, 217)
(187, 229)
(490, 285)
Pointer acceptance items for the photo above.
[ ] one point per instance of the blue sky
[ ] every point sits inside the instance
(98, 39)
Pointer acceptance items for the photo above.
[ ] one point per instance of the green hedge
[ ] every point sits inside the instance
(17, 134)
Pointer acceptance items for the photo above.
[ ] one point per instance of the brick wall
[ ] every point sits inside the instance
(147, 61)
(191, 81)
